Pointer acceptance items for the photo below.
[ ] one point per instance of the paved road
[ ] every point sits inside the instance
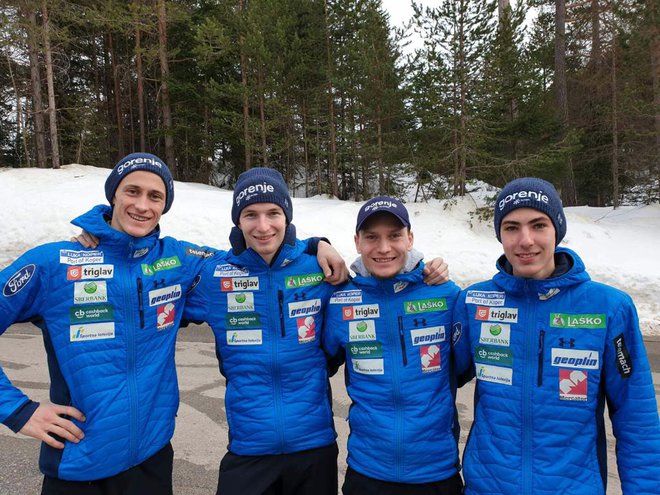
(201, 434)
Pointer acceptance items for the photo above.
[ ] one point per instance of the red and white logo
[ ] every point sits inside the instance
(573, 385)
(482, 313)
(165, 316)
(306, 329)
(226, 285)
(348, 313)
(430, 356)
(73, 273)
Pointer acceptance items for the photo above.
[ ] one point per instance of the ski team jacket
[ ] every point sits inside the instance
(267, 322)
(109, 318)
(548, 354)
(395, 335)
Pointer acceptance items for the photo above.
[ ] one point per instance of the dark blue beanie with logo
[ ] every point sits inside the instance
(531, 192)
(147, 163)
(261, 185)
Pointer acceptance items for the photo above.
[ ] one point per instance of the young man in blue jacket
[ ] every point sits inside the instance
(394, 334)
(550, 347)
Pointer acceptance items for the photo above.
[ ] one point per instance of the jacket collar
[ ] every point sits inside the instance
(392, 285)
(241, 255)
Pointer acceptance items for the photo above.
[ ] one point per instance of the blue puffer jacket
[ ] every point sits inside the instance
(548, 354)
(109, 318)
(395, 335)
(267, 322)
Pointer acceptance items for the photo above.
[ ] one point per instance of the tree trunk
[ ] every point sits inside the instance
(246, 100)
(379, 131)
(52, 109)
(140, 77)
(35, 81)
(655, 75)
(117, 93)
(19, 116)
(615, 126)
(165, 90)
(595, 33)
(262, 115)
(331, 108)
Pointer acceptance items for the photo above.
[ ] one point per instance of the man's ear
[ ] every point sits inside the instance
(356, 238)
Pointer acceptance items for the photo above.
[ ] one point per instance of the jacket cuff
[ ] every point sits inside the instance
(313, 245)
(16, 420)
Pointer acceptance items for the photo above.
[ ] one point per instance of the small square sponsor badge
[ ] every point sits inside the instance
(430, 357)
(573, 385)
(306, 329)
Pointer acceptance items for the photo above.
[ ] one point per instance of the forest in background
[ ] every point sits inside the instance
(327, 93)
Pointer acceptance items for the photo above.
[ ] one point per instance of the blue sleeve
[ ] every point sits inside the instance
(631, 403)
(198, 304)
(331, 340)
(460, 340)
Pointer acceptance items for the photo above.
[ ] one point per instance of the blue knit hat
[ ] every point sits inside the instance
(380, 204)
(261, 185)
(531, 192)
(147, 163)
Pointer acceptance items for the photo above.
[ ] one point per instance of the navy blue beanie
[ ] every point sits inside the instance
(147, 163)
(531, 192)
(381, 204)
(261, 185)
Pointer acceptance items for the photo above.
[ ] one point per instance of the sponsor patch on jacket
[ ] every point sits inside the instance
(425, 305)
(456, 332)
(248, 320)
(494, 374)
(307, 280)
(426, 336)
(240, 302)
(200, 253)
(89, 272)
(230, 271)
(369, 366)
(503, 315)
(138, 253)
(573, 385)
(361, 330)
(493, 355)
(430, 358)
(346, 297)
(90, 292)
(19, 280)
(575, 358)
(623, 360)
(563, 320)
(160, 265)
(365, 350)
(360, 312)
(304, 308)
(244, 337)
(69, 257)
(164, 295)
(92, 331)
(495, 334)
(485, 297)
(306, 329)
(239, 283)
(92, 313)
(399, 286)
(165, 316)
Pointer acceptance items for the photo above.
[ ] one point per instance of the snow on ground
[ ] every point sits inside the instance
(619, 247)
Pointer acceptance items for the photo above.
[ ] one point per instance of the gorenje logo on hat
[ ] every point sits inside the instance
(524, 195)
(254, 189)
(380, 204)
(138, 161)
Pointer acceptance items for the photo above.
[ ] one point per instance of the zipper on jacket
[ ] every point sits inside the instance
(540, 358)
(280, 303)
(126, 281)
(275, 365)
(140, 303)
(403, 341)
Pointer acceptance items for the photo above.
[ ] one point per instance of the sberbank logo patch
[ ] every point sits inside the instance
(88, 314)
(250, 320)
(563, 320)
(307, 280)
(425, 305)
(160, 265)
(366, 350)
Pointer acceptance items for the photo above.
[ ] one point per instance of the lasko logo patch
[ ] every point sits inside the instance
(369, 366)
(361, 312)
(90, 292)
(92, 331)
(503, 315)
(346, 297)
(250, 320)
(19, 280)
(574, 358)
(239, 283)
(304, 308)
(361, 330)
(425, 305)
(230, 271)
(430, 335)
(306, 329)
(366, 350)
(495, 334)
(493, 355)
(623, 360)
(89, 272)
(307, 280)
(68, 257)
(494, 374)
(244, 337)
(561, 320)
(165, 316)
(573, 385)
(87, 314)
(485, 298)
(161, 264)
(430, 357)
(164, 295)
(240, 302)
